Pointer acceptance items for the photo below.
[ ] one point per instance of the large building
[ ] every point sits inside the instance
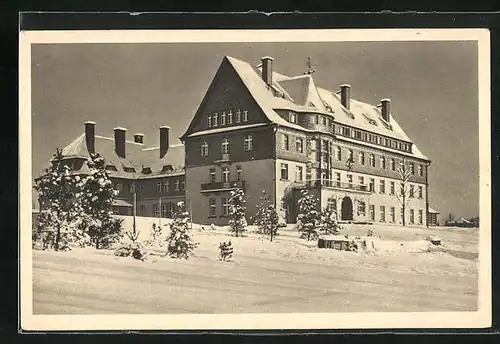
(257, 130)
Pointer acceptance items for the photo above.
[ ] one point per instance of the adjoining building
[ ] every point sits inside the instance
(256, 129)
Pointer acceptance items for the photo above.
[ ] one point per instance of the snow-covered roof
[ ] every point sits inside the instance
(300, 94)
(432, 211)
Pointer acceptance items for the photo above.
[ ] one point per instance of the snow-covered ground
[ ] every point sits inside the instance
(404, 273)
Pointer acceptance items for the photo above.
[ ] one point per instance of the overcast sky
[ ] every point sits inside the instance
(432, 85)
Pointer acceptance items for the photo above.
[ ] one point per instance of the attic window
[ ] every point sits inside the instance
(146, 170)
(277, 92)
(348, 113)
(328, 107)
(111, 168)
(167, 168)
(129, 169)
(311, 104)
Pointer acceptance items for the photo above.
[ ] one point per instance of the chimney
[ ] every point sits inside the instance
(345, 95)
(164, 144)
(386, 109)
(90, 136)
(267, 70)
(120, 141)
(139, 138)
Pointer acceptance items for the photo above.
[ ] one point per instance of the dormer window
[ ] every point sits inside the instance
(215, 118)
(238, 116)
(311, 104)
(292, 116)
(230, 117)
(223, 118)
(146, 170)
(245, 116)
(111, 168)
(129, 169)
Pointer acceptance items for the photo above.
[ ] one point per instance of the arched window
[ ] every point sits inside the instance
(382, 162)
(225, 145)
(372, 160)
(204, 148)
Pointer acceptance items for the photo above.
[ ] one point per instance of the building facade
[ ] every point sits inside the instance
(256, 129)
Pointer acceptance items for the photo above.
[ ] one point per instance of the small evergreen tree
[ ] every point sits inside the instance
(329, 223)
(180, 243)
(225, 251)
(97, 199)
(267, 219)
(237, 210)
(309, 218)
(56, 190)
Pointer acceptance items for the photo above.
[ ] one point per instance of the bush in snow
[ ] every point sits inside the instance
(309, 218)
(267, 219)
(156, 235)
(56, 190)
(97, 198)
(329, 223)
(225, 251)
(180, 243)
(237, 210)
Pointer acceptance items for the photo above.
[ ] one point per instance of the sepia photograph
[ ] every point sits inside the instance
(258, 179)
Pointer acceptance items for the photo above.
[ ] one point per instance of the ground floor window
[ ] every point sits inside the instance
(420, 216)
(156, 210)
(163, 210)
(402, 215)
(284, 171)
(142, 210)
(361, 208)
(382, 213)
(372, 212)
(393, 214)
(225, 206)
(331, 204)
(211, 207)
(412, 216)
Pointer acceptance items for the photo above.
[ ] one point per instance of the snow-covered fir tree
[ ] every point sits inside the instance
(267, 219)
(237, 210)
(309, 218)
(97, 198)
(329, 223)
(56, 189)
(179, 242)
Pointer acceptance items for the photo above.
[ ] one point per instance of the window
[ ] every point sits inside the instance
(248, 143)
(351, 154)
(393, 164)
(324, 145)
(420, 170)
(338, 178)
(361, 180)
(299, 145)
(223, 118)
(212, 207)
(349, 180)
(298, 173)
(238, 173)
(412, 216)
(402, 215)
(204, 148)
(392, 188)
(284, 171)
(245, 116)
(412, 191)
(317, 119)
(382, 213)
(420, 191)
(412, 168)
(209, 121)
(163, 210)
(166, 186)
(286, 142)
(361, 158)
(212, 175)
(393, 214)
(292, 117)
(361, 208)
(177, 185)
(372, 160)
(142, 210)
(238, 116)
(225, 206)
(158, 186)
(331, 204)
(372, 184)
(225, 146)
(131, 187)
(214, 119)
(229, 117)
(156, 210)
(338, 153)
(225, 174)
(323, 120)
(420, 216)
(382, 186)
(382, 162)
(183, 185)
(372, 212)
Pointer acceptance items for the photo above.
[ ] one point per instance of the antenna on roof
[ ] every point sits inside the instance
(310, 67)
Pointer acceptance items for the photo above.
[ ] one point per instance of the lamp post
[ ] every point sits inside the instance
(134, 195)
